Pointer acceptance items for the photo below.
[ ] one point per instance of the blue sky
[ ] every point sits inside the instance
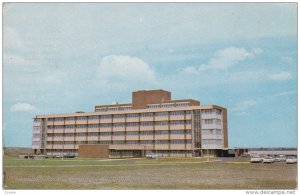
(66, 57)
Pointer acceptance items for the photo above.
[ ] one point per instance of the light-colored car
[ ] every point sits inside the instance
(280, 158)
(151, 156)
(268, 159)
(291, 160)
(255, 159)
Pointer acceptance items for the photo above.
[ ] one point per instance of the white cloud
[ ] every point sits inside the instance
(224, 59)
(281, 76)
(242, 106)
(23, 107)
(122, 69)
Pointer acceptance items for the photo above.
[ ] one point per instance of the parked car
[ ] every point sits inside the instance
(255, 159)
(280, 158)
(29, 156)
(151, 156)
(291, 160)
(268, 159)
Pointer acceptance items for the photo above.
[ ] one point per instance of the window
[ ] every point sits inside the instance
(132, 124)
(93, 142)
(146, 142)
(101, 110)
(119, 125)
(150, 114)
(132, 142)
(59, 127)
(217, 111)
(80, 142)
(105, 142)
(181, 104)
(93, 125)
(161, 114)
(188, 112)
(208, 121)
(93, 117)
(132, 115)
(70, 126)
(132, 133)
(70, 118)
(161, 123)
(118, 133)
(188, 122)
(36, 136)
(58, 119)
(153, 106)
(105, 134)
(177, 113)
(118, 142)
(106, 116)
(176, 122)
(125, 108)
(177, 132)
(93, 134)
(149, 123)
(161, 132)
(81, 118)
(161, 142)
(168, 105)
(36, 128)
(119, 116)
(105, 125)
(113, 109)
(178, 141)
(81, 126)
(146, 133)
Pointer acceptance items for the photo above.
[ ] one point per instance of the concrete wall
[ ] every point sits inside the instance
(140, 99)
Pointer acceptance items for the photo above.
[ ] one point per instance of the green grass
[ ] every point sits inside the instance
(164, 173)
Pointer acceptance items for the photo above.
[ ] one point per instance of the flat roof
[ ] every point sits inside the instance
(135, 111)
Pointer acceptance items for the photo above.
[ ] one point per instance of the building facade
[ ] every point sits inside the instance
(152, 124)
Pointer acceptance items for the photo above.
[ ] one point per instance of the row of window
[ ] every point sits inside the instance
(212, 121)
(111, 109)
(129, 133)
(159, 142)
(211, 111)
(168, 105)
(130, 124)
(211, 132)
(118, 116)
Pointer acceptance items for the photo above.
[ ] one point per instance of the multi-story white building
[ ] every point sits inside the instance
(153, 123)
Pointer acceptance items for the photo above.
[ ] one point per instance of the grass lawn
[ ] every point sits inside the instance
(164, 173)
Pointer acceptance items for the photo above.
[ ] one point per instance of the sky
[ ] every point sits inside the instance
(67, 57)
